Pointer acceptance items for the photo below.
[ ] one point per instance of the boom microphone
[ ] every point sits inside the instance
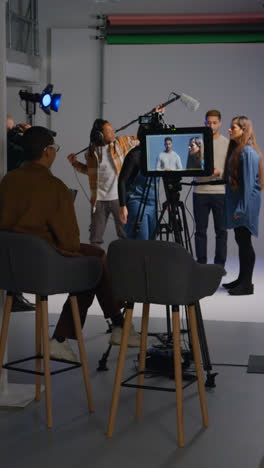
(84, 149)
(189, 102)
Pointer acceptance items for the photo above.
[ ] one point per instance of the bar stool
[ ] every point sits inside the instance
(159, 272)
(30, 264)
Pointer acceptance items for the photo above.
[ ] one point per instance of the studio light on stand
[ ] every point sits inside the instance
(47, 101)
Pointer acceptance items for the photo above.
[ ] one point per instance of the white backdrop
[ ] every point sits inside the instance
(228, 77)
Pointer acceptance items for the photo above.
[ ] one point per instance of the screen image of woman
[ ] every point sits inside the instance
(195, 154)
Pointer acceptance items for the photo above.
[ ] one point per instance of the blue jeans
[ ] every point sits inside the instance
(148, 224)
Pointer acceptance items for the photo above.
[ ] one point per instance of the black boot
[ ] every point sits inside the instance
(231, 285)
(242, 290)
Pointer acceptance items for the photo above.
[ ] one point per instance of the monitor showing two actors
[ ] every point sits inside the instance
(184, 151)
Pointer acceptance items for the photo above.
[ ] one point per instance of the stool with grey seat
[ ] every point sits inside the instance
(159, 272)
(30, 264)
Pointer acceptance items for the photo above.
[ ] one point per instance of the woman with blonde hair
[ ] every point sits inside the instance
(244, 181)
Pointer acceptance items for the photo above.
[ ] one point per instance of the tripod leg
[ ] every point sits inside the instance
(187, 238)
(164, 208)
(142, 206)
(210, 381)
(102, 363)
(202, 338)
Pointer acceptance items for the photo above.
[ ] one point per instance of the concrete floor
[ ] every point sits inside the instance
(236, 416)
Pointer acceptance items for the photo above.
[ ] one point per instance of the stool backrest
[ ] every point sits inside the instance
(159, 272)
(29, 264)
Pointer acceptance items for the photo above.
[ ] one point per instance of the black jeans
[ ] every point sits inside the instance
(202, 205)
(246, 255)
(103, 292)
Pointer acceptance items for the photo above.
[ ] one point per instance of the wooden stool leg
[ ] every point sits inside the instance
(78, 331)
(142, 357)
(4, 330)
(119, 371)
(197, 361)
(46, 356)
(38, 346)
(178, 373)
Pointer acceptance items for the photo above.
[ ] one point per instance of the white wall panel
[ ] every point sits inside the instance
(74, 73)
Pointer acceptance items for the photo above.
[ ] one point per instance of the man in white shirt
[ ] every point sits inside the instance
(208, 198)
(169, 160)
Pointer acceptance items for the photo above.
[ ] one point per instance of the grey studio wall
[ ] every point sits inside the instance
(136, 78)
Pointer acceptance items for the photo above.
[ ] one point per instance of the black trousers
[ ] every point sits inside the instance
(103, 292)
(246, 255)
(202, 205)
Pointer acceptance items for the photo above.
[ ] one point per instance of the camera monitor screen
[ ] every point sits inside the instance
(183, 151)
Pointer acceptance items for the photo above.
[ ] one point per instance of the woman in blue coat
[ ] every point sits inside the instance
(244, 181)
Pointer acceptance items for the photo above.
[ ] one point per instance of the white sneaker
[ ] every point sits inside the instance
(62, 350)
(133, 338)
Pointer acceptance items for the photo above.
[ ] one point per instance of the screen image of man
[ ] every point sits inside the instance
(168, 160)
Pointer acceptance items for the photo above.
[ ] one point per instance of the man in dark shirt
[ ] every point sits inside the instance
(33, 201)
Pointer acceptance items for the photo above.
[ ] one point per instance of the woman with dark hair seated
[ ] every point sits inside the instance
(244, 181)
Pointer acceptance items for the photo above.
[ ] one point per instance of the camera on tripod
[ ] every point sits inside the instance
(175, 152)
(153, 121)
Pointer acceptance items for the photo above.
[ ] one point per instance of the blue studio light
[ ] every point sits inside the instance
(55, 102)
(46, 100)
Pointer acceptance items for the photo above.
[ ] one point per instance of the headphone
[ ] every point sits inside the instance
(96, 135)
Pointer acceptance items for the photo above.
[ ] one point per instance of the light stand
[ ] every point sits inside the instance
(30, 111)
